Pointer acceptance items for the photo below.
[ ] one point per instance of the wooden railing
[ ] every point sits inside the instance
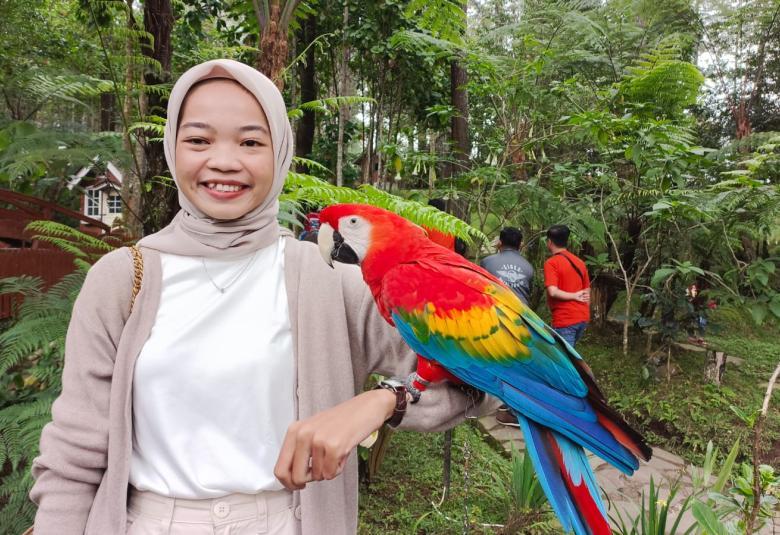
(48, 264)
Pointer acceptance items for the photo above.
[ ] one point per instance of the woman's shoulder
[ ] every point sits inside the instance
(307, 258)
(112, 275)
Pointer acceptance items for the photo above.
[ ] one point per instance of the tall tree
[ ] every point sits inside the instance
(741, 39)
(274, 17)
(131, 185)
(304, 133)
(461, 144)
(162, 204)
(343, 81)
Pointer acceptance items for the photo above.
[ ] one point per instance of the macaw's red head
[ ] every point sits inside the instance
(351, 233)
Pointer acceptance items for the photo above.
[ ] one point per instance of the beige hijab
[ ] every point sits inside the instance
(193, 233)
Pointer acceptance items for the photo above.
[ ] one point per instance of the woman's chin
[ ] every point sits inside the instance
(227, 209)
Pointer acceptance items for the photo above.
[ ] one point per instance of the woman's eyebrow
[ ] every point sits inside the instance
(197, 125)
(253, 127)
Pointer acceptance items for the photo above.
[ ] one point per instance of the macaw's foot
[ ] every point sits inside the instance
(428, 371)
(415, 386)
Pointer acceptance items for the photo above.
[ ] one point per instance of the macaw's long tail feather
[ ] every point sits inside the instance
(565, 475)
(610, 418)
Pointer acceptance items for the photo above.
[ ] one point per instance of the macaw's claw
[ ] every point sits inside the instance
(415, 386)
(474, 394)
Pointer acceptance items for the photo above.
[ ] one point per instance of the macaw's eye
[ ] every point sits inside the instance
(353, 220)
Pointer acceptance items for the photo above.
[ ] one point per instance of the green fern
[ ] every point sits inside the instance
(305, 188)
(661, 79)
(32, 350)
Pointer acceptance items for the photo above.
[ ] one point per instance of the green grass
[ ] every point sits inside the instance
(401, 498)
(685, 413)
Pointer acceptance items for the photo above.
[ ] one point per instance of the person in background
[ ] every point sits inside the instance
(568, 286)
(509, 265)
(311, 227)
(517, 273)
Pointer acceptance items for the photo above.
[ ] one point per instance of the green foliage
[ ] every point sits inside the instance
(306, 188)
(31, 355)
(405, 495)
(29, 155)
(32, 349)
(684, 414)
(530, 509)
(701, 477)
(654, 515)
(727, 513)
(659, 78)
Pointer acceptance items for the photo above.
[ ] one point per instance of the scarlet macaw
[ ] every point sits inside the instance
(458, 316)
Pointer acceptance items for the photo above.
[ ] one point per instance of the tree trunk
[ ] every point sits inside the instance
(461, 145)
(304, 134)
(626, 321)
(162, 202)
(344, 109)
(106, 112)
(742, 120)
(459, 125)
(273, 45)
(131, 184)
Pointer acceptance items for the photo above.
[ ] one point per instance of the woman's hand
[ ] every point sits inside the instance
(316, 448)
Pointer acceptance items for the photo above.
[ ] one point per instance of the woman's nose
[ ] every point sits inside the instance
(224, 158)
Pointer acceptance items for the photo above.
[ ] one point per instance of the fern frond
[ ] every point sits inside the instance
(423, 215)
(310, 164)
(662, 79)
(49, 230)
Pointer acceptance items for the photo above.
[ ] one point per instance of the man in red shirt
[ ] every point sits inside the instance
(568, 287)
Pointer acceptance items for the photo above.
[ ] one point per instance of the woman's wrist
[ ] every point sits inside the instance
(384, 400)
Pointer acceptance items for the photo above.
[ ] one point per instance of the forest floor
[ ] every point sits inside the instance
(679, 415)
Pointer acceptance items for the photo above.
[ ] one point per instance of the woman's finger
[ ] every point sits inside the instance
(283, 468)
(318, 454)
(301, 462)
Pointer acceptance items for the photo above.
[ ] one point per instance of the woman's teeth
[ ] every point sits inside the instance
(223, 187)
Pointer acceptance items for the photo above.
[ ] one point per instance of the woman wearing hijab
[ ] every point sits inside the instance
(207, 407)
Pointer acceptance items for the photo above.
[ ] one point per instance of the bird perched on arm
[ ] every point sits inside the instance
(468, 326)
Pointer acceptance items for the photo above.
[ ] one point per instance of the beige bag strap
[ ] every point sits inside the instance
(138, 273)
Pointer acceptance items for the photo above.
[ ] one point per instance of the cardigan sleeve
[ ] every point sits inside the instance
(73, 447)
(380, 349)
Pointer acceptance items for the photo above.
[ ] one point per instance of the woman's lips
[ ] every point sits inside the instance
(224, 191)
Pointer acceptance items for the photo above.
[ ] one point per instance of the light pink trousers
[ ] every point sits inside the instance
(267, 513)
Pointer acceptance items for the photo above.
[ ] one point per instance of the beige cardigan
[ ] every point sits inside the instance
(338, 338)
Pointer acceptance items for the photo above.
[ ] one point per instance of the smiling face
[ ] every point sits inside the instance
(224, 156)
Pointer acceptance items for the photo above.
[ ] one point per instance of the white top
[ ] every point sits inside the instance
(213, 390)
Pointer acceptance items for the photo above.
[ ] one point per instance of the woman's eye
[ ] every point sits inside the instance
(252, 143)
(196, 141)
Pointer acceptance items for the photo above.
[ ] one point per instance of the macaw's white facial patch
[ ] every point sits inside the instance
(356, 232)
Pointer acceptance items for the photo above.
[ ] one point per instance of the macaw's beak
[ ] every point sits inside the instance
(332, 247)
